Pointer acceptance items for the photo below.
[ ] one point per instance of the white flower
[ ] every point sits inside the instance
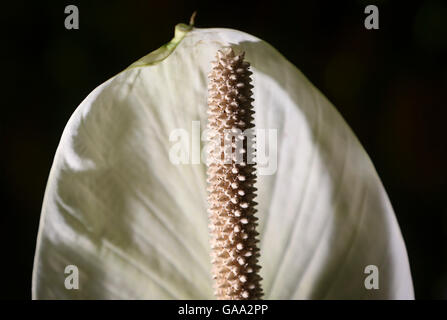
(135, 224)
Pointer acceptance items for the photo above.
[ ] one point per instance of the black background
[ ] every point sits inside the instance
(389, 85)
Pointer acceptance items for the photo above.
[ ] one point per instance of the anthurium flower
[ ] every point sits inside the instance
(134, 223)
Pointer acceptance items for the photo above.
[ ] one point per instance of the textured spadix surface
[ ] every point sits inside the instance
(135, 224)
(231, 180)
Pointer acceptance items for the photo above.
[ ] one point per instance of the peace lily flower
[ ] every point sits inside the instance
(136, 226)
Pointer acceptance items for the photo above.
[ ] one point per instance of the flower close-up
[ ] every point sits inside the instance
(140, 213)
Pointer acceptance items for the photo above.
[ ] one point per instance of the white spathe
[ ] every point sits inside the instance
(135, 224)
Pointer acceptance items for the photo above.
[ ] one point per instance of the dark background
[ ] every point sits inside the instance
(389, 85)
